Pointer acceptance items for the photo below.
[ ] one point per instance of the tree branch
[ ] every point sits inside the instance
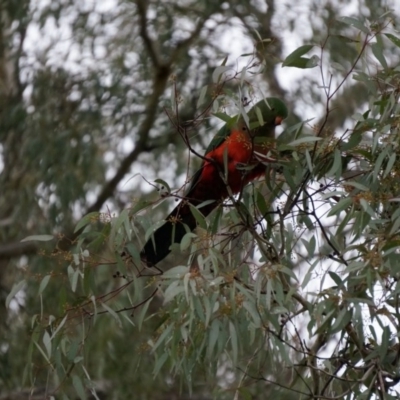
(150, 46)
(161, 78)
(159, 85)
(16, 249)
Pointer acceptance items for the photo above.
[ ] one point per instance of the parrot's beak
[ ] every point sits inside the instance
(278, 120)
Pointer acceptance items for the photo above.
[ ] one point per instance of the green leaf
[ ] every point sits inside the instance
(391, 246)
(259, 116)
(295, 56)
(205, 203)
(202, 96)
(338, 66)
(288, 272)
(243, 76)
(207, 309)
(117, 223)
(336, 278)
(334, 193)
(133, 252)
(373, 332)
(341, 321)
(172, 99)
(337, 164)
(173, 290)
(353, 141)
(143, 313)
(393, 39)
(150, 231)
(39, 238)
(357, 185)
(223, 116)
(73, 275)
(15, 289)
(307, 276)
(310, 246)
(112, 313)
(215, 105)
(354, 22)
(346, 39)
(42, 353)
(395, 227)
(218, 72)
(367, 208)
(176, 272)
(187, 240)
(162, 337)
(304, 62)
(383, 348)
(252, 310)
(86, 220)
(377, 50)
(60, 325)
(200, 219)
(159, 363)
(389, 166)
(261, 203)
(78, 386)
(73, 349)
(213, 337)
(47, 343)
(234, 342)
(186, 279)
(309, 162)
(327, 320)
(140, 205)
(342, 205)
(304, 139)
(43, 284)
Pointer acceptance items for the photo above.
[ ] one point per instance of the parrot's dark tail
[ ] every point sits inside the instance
(175, 227)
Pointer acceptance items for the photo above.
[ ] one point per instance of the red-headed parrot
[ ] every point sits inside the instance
(232, 159)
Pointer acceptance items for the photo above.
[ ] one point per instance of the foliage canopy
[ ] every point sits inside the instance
(288, 290)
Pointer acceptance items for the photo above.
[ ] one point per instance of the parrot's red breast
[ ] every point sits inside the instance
(232, 160)
(233, 154)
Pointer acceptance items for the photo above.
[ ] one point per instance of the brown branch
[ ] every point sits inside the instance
(16, 249)
(150, 46)
(160, 82)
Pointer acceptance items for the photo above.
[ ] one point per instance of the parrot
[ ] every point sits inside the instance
(232, 160)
